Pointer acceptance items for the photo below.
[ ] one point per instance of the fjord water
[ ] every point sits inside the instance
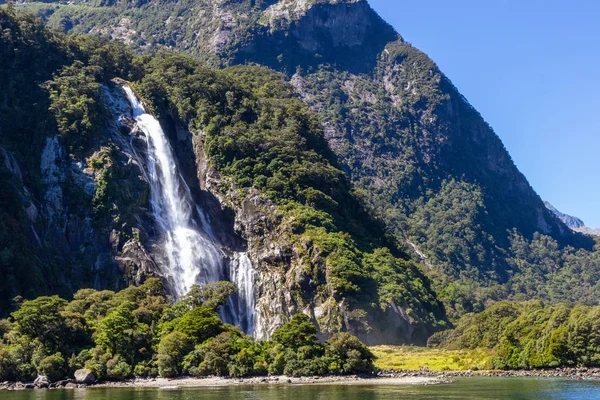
(192, 256)
(463, 389)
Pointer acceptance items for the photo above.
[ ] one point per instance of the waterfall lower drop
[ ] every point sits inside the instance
(192, 254)
(242, 274)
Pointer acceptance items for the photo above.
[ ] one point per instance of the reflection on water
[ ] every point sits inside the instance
(463, 389)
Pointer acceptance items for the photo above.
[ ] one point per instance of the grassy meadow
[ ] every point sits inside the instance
(416, 358)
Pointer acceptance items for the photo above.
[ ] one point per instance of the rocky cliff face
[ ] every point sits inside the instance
(304, 34)
(283, 285)
(73, 245)
(281, 34)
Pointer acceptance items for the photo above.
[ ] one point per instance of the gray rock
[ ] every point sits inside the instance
(85, 376)
(41, 381)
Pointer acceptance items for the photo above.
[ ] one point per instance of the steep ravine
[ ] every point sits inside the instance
(293, 272)
(182, 243)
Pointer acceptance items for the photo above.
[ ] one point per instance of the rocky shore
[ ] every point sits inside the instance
(277, 380)
(384, 377)
(164, 383)
(574, 373)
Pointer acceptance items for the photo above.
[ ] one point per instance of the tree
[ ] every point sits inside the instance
(118, 368)
(75, 95)
(116, 331)
(199, 324)
(42, 319)
(297, 332)
(171, 352)
(230, 352)
(348, 355)
(212, 295)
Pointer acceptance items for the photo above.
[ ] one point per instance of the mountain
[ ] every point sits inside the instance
(215, 175)
(573, 223)
(361, 184)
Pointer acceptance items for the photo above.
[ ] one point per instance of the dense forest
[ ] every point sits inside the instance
(52, 88)
(140, 332)
(529, 335)
(265, 139)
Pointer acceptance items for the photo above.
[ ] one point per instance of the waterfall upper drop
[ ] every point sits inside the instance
(192, 255)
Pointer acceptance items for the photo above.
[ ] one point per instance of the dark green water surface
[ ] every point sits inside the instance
(466, 388)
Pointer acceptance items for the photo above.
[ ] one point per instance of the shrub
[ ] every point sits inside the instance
(8, 366)
(4, 328)
(98, 361)
(214, 357)
(298, 332)
(118, 368)
(348, 355)
(53, 367)
(145, 369)
(277, 355)
(78, 361)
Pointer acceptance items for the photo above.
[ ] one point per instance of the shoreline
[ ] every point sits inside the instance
(383, 378)
(190, 382)
(173, 383)
(574, 373)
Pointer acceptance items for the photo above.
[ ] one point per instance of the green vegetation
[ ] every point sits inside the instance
(256, 133)
(146, 25)
(74, 95)
(52, 88)
(409, 151)
(416, 152)
(138, 332)
(529, 335)
(428, 164)
(261, 137)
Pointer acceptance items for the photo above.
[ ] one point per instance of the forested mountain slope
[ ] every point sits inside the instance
(416, 151)
(78, 206)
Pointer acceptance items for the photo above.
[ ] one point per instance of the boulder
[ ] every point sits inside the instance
(85, 376)
(41, 381)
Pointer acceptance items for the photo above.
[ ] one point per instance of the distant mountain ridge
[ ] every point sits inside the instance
(572, 222)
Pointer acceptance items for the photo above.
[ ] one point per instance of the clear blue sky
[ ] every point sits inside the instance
(532, 69)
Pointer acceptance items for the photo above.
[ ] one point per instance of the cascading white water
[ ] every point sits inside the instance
(191, 250)
(242, 274)
(192, 258)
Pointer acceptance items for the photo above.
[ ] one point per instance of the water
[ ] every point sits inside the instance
(242, 274)
(192, 255)
(463, 389)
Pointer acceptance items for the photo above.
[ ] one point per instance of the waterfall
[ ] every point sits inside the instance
(191, 257)
(192, 253)
(242, 274)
